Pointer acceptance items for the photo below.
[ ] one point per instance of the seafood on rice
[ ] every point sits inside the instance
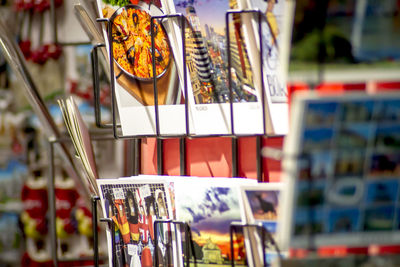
(131, 36)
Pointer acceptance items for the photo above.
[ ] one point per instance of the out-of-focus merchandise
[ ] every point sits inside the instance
(33, 216)
(342, 171)
(11, 240)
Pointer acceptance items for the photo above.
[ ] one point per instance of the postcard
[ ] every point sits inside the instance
(81, 139)
(276, 25)
(134, 204)
(206, 44)
(131, 49)
(260, 205)
(343, 174)
(209, 205)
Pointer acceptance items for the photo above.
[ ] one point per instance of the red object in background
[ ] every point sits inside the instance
(25, 47)
(394, 85)
(26, 261)
(65, 202)
(28, 4)
(23, 5)
(18, 5)
(35, 204)
(40, 6)
(58, 3)
(40, 55)
(74, 89)
(54, 51)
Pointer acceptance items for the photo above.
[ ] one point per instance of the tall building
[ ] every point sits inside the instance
(196, 50)
(239, 57)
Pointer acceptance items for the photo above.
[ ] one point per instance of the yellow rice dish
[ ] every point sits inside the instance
(132, 43)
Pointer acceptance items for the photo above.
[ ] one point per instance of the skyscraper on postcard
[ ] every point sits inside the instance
(241, 72)
(197, 57)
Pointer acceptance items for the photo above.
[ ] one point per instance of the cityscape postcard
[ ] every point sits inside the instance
(210, 73)
(129, 43)
(209, 205)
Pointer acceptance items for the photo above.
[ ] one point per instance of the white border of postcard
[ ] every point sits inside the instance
(274, 77)
(137, 119)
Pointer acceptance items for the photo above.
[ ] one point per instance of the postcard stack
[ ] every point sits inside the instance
(207, 76)
(143, 207)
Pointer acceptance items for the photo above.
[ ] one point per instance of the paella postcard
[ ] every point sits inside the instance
(217, 66)
(129, 42)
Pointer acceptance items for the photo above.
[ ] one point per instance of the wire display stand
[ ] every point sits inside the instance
(52, 205)
(265, 235)
(187, 238)
(183, 137)
(116, 131)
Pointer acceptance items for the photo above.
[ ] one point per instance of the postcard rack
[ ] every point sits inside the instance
(52, 203)
(160, 137)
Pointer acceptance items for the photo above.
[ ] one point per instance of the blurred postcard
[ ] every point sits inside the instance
(343, 171)
(131, 49)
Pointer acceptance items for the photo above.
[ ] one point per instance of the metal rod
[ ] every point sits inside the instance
(263, 233)
(228, 40)
(95, 233)
(263, 90)
(111, 225)
(96, 86)
(52, 205)
(189, 231)
(53, 19)
(112, 77)
(231, 228)
(185, 85)
(160, 156)
(137, 155)
(153, 61)
(156, 223)
(182, 156)
(188, 239)
(235, 160)
(259, 158)
(73, 43)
